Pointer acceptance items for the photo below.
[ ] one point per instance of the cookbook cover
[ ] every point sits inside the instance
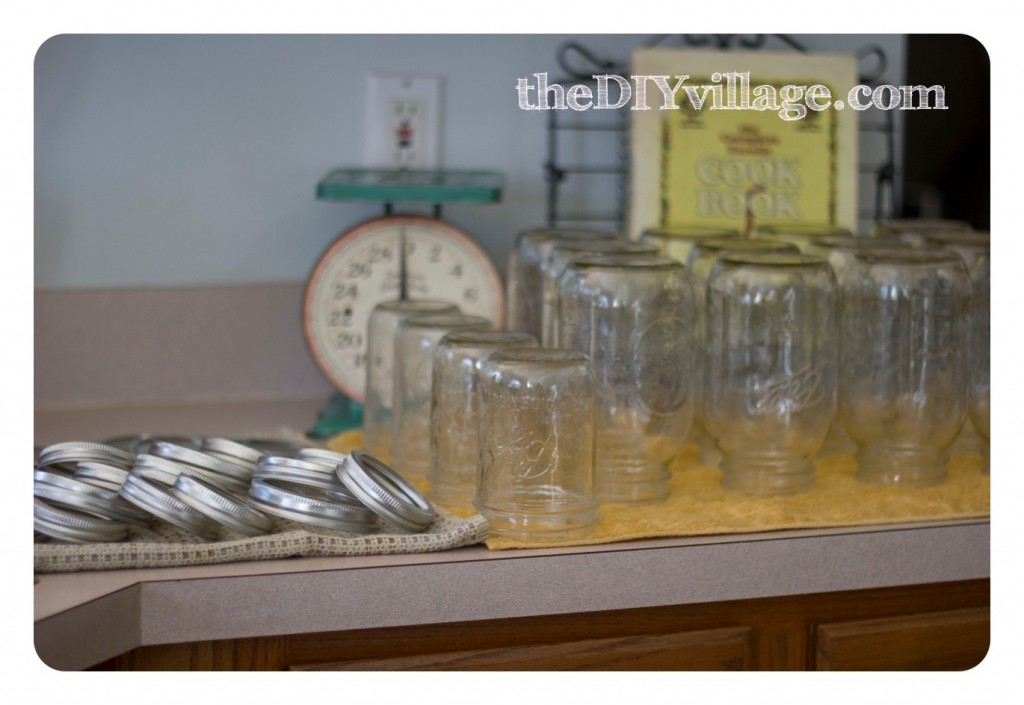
(742, 139)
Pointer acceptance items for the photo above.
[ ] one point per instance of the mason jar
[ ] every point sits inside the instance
(561, 254)
(379, 403)
(524, 281)
(536, 476)
(770, 375)
(455, 411)
(636, 318)
(677, 241)
(905, 323)
(915, 230)
(702, 258)
(415, 343)
(801, 235)
(980, 385)
(840, 250)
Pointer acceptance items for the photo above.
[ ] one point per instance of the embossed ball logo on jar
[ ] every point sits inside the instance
(661, 368)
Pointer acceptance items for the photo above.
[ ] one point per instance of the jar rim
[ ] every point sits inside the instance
(688, 232)
(744, 245)
(625, 261)
(788, 260)
(908, 258)
(540, 356)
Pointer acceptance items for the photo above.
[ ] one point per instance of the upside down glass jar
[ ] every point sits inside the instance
(770, 368)
(980, 383)
(526, 264)
(536, 478)
(905, 322)
(455, 411)
(636, 319)
(561, 254)
(379, 404)
(415, 343)
(676, 242)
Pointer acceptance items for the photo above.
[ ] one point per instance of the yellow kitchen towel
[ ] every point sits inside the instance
(698, 505)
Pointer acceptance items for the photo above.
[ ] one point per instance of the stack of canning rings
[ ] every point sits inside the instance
(94, 492)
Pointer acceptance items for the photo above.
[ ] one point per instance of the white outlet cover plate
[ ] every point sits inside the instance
(394, 99)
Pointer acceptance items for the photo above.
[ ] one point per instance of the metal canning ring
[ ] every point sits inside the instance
(211, 501)
(324, 456)
(203, 461)
(142, 442)
(158, 501)
(386, 492)
(73, 527)
(232, 450)
(85, 450)
(166, 472)
(302, 472)
(83, 497)
(109, 477)
(300, 507)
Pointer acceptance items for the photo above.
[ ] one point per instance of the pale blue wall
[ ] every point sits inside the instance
(177, 160)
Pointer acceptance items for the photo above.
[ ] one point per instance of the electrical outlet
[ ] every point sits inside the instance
(403, 122)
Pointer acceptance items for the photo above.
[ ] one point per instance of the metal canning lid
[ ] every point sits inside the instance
(213, 502)
(142, 442)
(323, 455)
(73, 527)
(109, 477)
(85, 450)
(166, 472)
(201, 460)
(386, 492)
(159, 502)
(87, 498)
(231, 449)
(320, 477)
(305, 509)
(67, 455)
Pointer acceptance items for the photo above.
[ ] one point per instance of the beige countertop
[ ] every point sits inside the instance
(84, 618)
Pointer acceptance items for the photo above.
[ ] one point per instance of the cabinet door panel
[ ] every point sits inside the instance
(951, 640)
(706, 650)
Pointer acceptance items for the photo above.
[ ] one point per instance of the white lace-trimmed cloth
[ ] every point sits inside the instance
(165, 545)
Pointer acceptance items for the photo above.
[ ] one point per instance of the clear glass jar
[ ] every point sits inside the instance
(840, 250)
(770, 375)
(903, 388)
(415, 343)
(702, 258)
(801, 235)
(980, 385)
(455, 411)
(561, 254)
(524, 282)
(676, 242)
(636, 318)
(379, 403)
(537, 444)
(915, 230)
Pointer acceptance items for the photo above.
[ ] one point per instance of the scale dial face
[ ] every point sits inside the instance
(365, 266)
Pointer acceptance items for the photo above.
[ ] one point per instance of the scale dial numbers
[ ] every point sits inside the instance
(365, 266)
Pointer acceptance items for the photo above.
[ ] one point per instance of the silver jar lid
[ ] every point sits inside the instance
(323, 455)
(158, 501)
(385, 492)
(302, 472)
(166, 472)
(232, 451)
(218, 505)
(203, 461)
(142, 442)
(297, 503)
(109, 477)
(71, 453)
(74, 527)
(86, 498)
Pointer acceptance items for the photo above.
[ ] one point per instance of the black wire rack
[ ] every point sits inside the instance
(578, 65)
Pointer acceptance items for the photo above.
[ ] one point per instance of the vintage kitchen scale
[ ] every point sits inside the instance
(392, 257)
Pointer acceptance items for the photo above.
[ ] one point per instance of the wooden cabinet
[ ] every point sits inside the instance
(935, 627)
